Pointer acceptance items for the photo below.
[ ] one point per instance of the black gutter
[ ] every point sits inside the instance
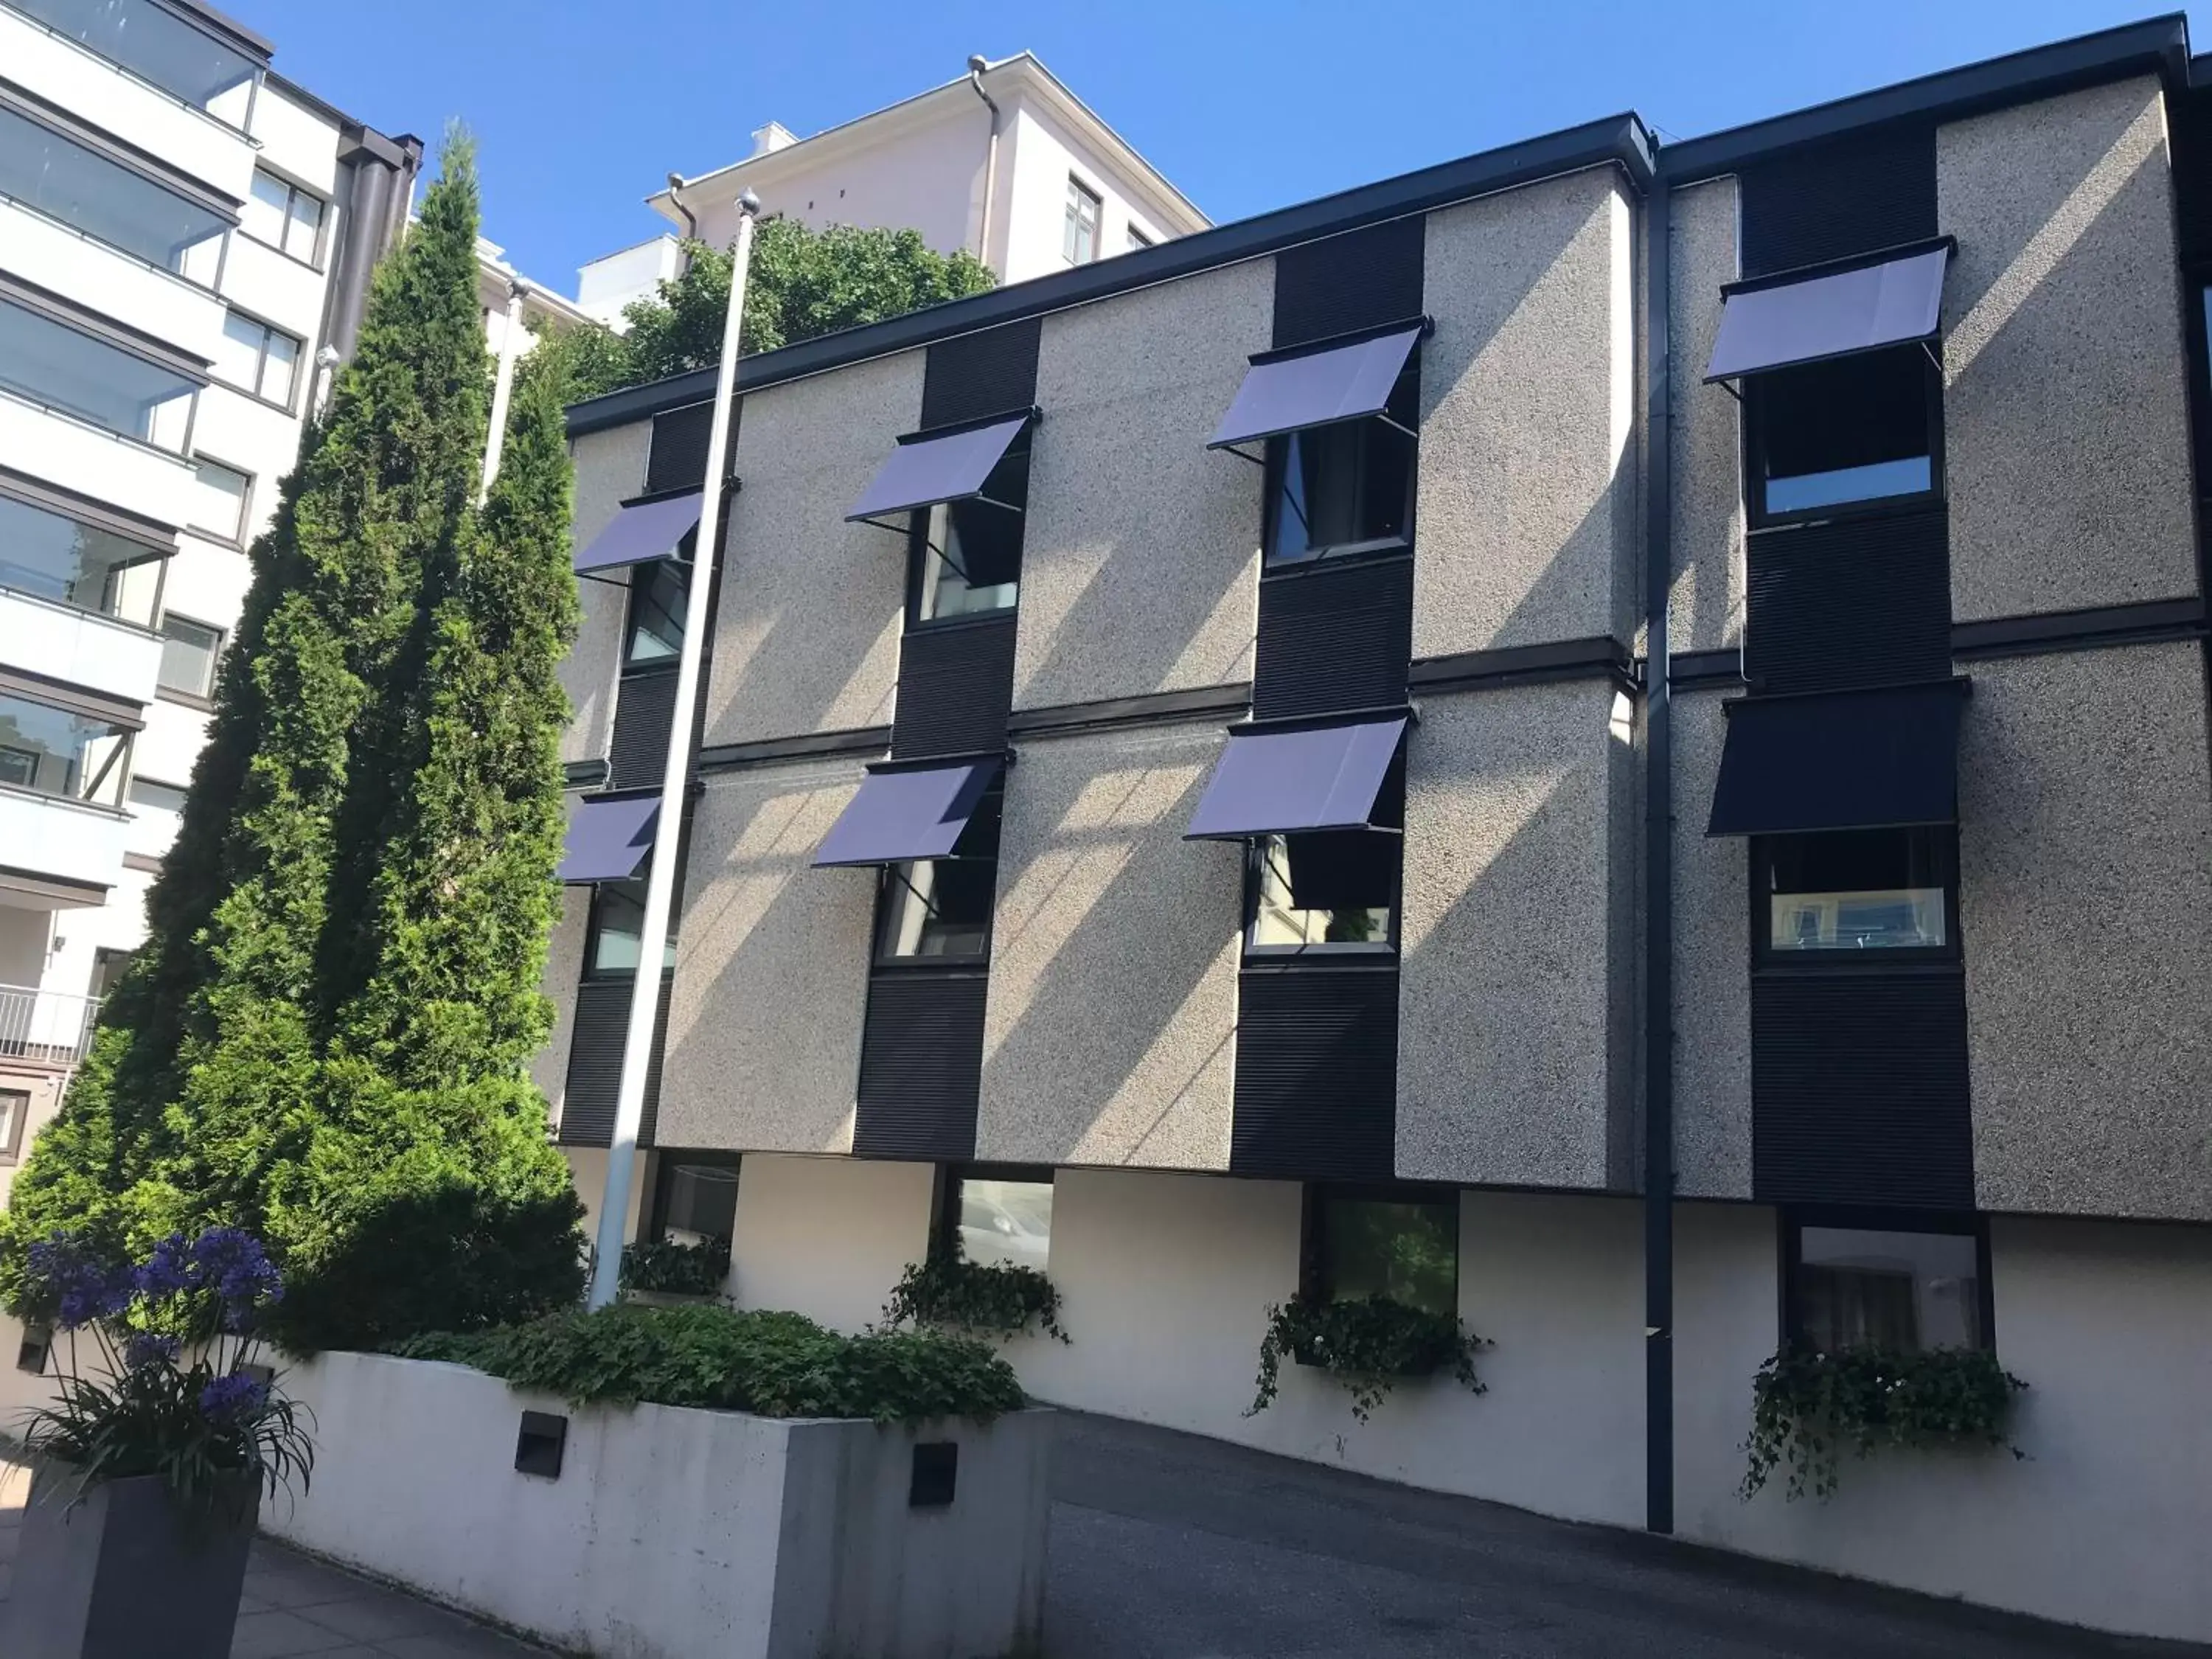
(2157, 46)
(1658, 887)
(1619, 140)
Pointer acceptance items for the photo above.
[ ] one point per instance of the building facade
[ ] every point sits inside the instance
(182, 234)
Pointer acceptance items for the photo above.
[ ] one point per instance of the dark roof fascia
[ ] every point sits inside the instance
(2158, 45)
(1619, 140)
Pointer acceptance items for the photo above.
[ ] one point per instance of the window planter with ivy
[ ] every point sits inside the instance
(1369, 1345)
(666, 1266)
(1809, 1406)
(944, 1291)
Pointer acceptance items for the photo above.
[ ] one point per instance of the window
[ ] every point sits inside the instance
(1399, 1243)
(60, 751)
(81, 188)
(1138, 239)
(1856, 890)
(108, 966)
(156, 797)
(57, 557)
(158, 45)
(257, 358)
(1909, 1285)
(995, 1216)
(51, 363)
(14, 1108)
(1079, 246)
(285, 217)
(1345, 488)
(617, 931)
(220, 495)
(695, 1198)
(966, 556)
(939, 909)
(1839, 434)
(659, 593)
(190, 651)
(1328, 890)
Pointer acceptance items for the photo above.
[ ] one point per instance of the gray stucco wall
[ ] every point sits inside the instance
(1707, 580)
(609, 469)
(2085, 884)
(1712, 971)
(806, 632)
(1511, 986)
(2062, 305)
(1525, 513)
(771, 968)
(1110, 1034)
(564, 963)
(1140, 558)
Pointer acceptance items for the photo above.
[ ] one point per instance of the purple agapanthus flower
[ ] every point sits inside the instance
(230, 1396)
(170, 1270)
(232, 1263)
(150, 1348)
(64, 1273)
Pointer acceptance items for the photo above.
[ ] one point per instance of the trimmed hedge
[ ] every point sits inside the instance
(771, 1364)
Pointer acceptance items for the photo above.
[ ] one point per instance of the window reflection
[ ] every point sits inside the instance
(940, 909)
(660, 591)
(1907, 1290)
(1347, 488)
(1329, 888)
(1828, 434)
(47, 554)
(50, 363)
(1408, 1251)
(618, 930)
(84, 189)
(698, 1199)
(1868, 889)
(55, 751)
(159, 45)
(1005, 1221)
(970, 551)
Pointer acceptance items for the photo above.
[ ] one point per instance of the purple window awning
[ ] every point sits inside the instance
(923, 470)
(609, 840)
(908, 812)
(1289, 394)
(638, 534)
(1286, 783)
(1775, 324)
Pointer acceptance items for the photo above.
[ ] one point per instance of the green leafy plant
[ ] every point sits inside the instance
(1367, 1346)
(672, 1268)
(1807, 1407)
(770, 1363)
(977, 1299)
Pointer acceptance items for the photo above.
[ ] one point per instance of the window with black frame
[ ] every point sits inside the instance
(997, 1216)
(695, 1198)
(965, 556)
(616, 936)
(1853, 432)
(1886, 894)
(1401, 1243)
(938, 910)
(1902, 1284)
(659, 591)
(1336, 491)
(1329, 891)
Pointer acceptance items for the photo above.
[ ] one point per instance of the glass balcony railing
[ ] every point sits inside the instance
(87, 191)
(52, 557)
(160, 46)
(51, 364)
(62, 753)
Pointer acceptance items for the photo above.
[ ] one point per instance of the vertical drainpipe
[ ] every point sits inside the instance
(1658, 879)
(976, 66)
(502, 386)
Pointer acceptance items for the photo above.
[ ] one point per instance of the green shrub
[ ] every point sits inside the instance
(1807, 1407)
(672, 1268)
(1366, 1344)
(976, 1298)
(772, 1364)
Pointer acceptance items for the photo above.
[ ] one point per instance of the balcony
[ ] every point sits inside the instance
(65, 259)
(62, 852)
(46, 1028)
(74, 454)
(60, 641)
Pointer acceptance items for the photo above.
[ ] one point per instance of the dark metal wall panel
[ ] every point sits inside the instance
(637, 754)
(1357, 280)
(1334, 638)
(1316, 1073)
(677, 459)
(922, 1065)
(1859, 1089)
(987, 373)
(1863, 601)
(595, 1056)
(956, 686)
(2189, 117)
(1874, 190)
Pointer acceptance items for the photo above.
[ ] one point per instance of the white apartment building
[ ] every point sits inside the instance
(186, 241)
(1004, 162)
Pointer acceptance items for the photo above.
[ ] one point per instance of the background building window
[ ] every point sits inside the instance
(939, 909)
(695, 1198)
(14, 1108)
(1079, 246)
(86, 190)
(56, 558)
(50, 363)
(220, 495)
(156, 797)
(255, 357)
(1345, 488)
(967, 554)
(108, 965)
(57, 751)
(659, 593)
(1001, 1216)
(1909, 1289)
(1138, 239)
(190, 651)
(1856, 890)
(1824, 435)
(1400, 1244)
(617, 931)
(285, 217)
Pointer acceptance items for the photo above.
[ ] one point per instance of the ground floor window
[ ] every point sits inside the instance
(695, 1198)
(1402, 1243)
(993, 1214)
(1885, 1281)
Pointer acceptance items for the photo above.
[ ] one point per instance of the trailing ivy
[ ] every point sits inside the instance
(1807, 1407)
(1367, 1346)
(672, 1268)
(976, 1298)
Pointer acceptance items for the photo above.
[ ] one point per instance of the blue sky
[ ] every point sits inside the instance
(581, 106)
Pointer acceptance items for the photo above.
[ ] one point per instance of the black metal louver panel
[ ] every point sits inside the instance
(595, 1057)
(1360, 279)
(1334, 638)
(1873, 190)
(956, 686)
(637, 754)
(677, 459)
(1316, 1073)
(922, 1066)
(1852, 602)
(1859, 1090)
(987, 373)
(2189, 117)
